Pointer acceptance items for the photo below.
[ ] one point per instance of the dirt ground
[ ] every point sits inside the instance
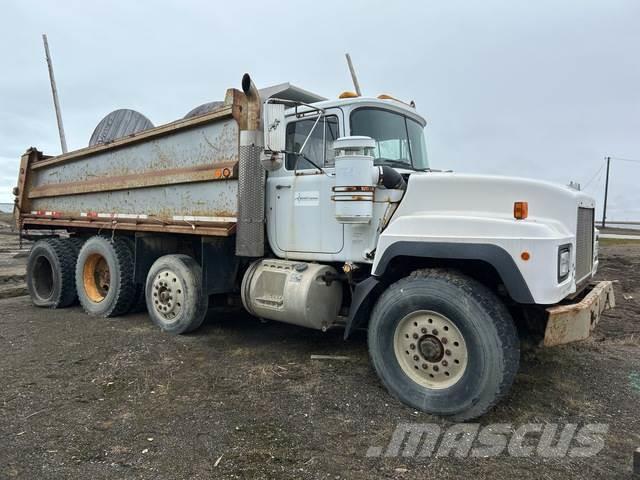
(13, 257)
(92, 398)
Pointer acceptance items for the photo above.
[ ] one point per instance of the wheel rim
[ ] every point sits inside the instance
(96, 277)
(43, 277)
(168, 295)
(430, 349)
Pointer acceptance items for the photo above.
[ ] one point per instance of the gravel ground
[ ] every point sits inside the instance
(115, 398)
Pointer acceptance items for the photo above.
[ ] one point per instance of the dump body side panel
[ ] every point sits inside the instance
(181, 177)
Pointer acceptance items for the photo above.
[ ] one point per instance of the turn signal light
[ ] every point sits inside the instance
(520, 210)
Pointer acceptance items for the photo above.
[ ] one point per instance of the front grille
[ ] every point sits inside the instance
(584, 243)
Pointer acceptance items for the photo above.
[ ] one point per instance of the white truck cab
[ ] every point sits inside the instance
(469, 216)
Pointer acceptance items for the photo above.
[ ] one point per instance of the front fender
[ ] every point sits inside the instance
(495, 256)
(496, 241)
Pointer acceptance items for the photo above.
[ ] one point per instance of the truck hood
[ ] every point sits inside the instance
(448, 194)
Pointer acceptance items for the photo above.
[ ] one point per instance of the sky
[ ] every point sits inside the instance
(541, 89)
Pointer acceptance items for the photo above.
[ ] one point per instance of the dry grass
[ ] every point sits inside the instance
(618, 241)
(632, 340)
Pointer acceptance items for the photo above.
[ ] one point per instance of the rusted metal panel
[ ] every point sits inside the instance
(217, 229)
(150, 134)
(572, 322)
(216, 198)
(207, 145)
(169, 176)
(22, 198)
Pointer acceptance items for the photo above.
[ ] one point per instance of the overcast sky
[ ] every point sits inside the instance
(543, 89)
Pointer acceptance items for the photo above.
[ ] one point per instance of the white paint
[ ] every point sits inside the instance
(449, 207)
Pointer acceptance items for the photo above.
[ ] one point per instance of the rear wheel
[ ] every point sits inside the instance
(104, 277)
(139, 302)
(443, 343)
(50, 273)
(176, 299)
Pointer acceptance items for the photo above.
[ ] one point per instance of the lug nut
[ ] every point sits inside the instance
(416, 358)
(444, 340)
(412, 346)
(434, 331)
(415, 335)
(445, 363)
(435, 368)
(423, 330)
(448, 352)
(425, 366)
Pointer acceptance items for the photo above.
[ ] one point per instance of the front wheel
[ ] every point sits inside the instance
(443, 343)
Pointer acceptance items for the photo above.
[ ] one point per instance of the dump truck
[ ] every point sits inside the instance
(325, 214)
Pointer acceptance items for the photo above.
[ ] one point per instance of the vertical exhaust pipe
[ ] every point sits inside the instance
(254, 104)
(252, 177)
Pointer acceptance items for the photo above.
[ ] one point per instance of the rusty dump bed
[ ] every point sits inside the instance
(181, 177)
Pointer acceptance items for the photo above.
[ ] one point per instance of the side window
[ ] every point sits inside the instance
(319, 147)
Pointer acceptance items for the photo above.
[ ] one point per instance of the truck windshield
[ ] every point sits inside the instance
(399, 139)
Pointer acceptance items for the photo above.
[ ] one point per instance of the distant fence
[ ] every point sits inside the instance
(615, 224)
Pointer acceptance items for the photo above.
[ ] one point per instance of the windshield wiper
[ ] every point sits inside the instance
(397, 163)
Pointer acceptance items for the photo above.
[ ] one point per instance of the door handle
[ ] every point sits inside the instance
(280, 187)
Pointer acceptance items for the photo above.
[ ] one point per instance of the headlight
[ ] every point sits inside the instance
(564, 262)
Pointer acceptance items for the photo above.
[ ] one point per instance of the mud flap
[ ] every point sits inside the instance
(571, 322)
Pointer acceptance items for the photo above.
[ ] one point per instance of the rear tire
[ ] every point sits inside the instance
(443, 343)
(176, 300)
(50, 273)
(104, 277)
(139, 301)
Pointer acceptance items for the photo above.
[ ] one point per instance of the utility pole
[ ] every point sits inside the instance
(54, 91)
(606, 193)
(353, 74)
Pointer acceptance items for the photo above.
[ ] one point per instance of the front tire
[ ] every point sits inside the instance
(443, 343)
(176, 300)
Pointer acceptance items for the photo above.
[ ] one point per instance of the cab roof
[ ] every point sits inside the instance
(357, 102)
(287, 91)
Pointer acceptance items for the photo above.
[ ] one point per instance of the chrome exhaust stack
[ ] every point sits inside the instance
(250, 236)
(254, 103)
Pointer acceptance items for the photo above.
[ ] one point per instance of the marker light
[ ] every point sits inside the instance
(348, 95)
(564, 262)
(520, 210)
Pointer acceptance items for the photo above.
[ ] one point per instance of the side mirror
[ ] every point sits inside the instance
(274, 137)
(274, 131)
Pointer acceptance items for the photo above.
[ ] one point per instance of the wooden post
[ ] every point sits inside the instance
(606, 193)
(54, 91)
(353, 75)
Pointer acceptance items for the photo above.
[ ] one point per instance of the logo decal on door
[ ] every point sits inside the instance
(307, 199)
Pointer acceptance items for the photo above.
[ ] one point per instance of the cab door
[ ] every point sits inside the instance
(301, 209)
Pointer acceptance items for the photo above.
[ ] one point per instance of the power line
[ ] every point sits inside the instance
(595, 175)
(626, 159)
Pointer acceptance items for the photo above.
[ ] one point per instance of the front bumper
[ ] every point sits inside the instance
(570, 322)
